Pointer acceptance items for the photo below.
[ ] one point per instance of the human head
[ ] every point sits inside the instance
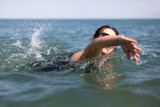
(107, 30)
(102, 28)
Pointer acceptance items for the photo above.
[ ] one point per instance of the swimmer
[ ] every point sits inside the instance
(104, 42)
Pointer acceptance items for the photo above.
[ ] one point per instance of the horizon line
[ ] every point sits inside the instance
(73, 18)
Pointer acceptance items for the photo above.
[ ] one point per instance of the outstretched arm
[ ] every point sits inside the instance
(95, 47)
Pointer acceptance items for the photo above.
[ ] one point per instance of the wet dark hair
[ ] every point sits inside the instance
(99, 30)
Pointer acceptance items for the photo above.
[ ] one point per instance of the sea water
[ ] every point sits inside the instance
(28, 46)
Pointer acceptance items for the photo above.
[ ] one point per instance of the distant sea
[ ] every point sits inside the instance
(29, 48)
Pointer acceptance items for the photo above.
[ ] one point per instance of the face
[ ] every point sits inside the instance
(108, 50)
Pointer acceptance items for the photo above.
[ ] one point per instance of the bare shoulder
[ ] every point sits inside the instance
(76, 56)
(89, 52)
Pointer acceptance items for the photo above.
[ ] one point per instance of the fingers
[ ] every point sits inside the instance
(129, 48)
(134, 52)
(135, 55)
(128, 55)
(136, 47)
(135, 58)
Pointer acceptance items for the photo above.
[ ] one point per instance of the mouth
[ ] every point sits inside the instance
(109, 49)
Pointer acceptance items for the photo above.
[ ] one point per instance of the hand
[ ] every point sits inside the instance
(128, 46)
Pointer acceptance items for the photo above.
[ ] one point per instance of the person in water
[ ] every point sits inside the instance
(104, 42)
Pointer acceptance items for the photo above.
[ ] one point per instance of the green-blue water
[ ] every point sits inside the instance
(28, 45)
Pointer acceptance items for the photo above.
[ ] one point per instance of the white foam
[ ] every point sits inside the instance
(18, 44)
(154, 55)
(35, 42)
(141, 62)
(34, 49)
(51, 48)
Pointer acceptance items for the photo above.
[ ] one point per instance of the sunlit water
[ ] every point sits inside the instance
(31, 77)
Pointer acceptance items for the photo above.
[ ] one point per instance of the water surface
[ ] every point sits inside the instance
(26, 46)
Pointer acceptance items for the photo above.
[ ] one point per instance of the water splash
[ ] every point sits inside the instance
(141, 62)
(18, 44)
(36, 43)
(19, 55)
